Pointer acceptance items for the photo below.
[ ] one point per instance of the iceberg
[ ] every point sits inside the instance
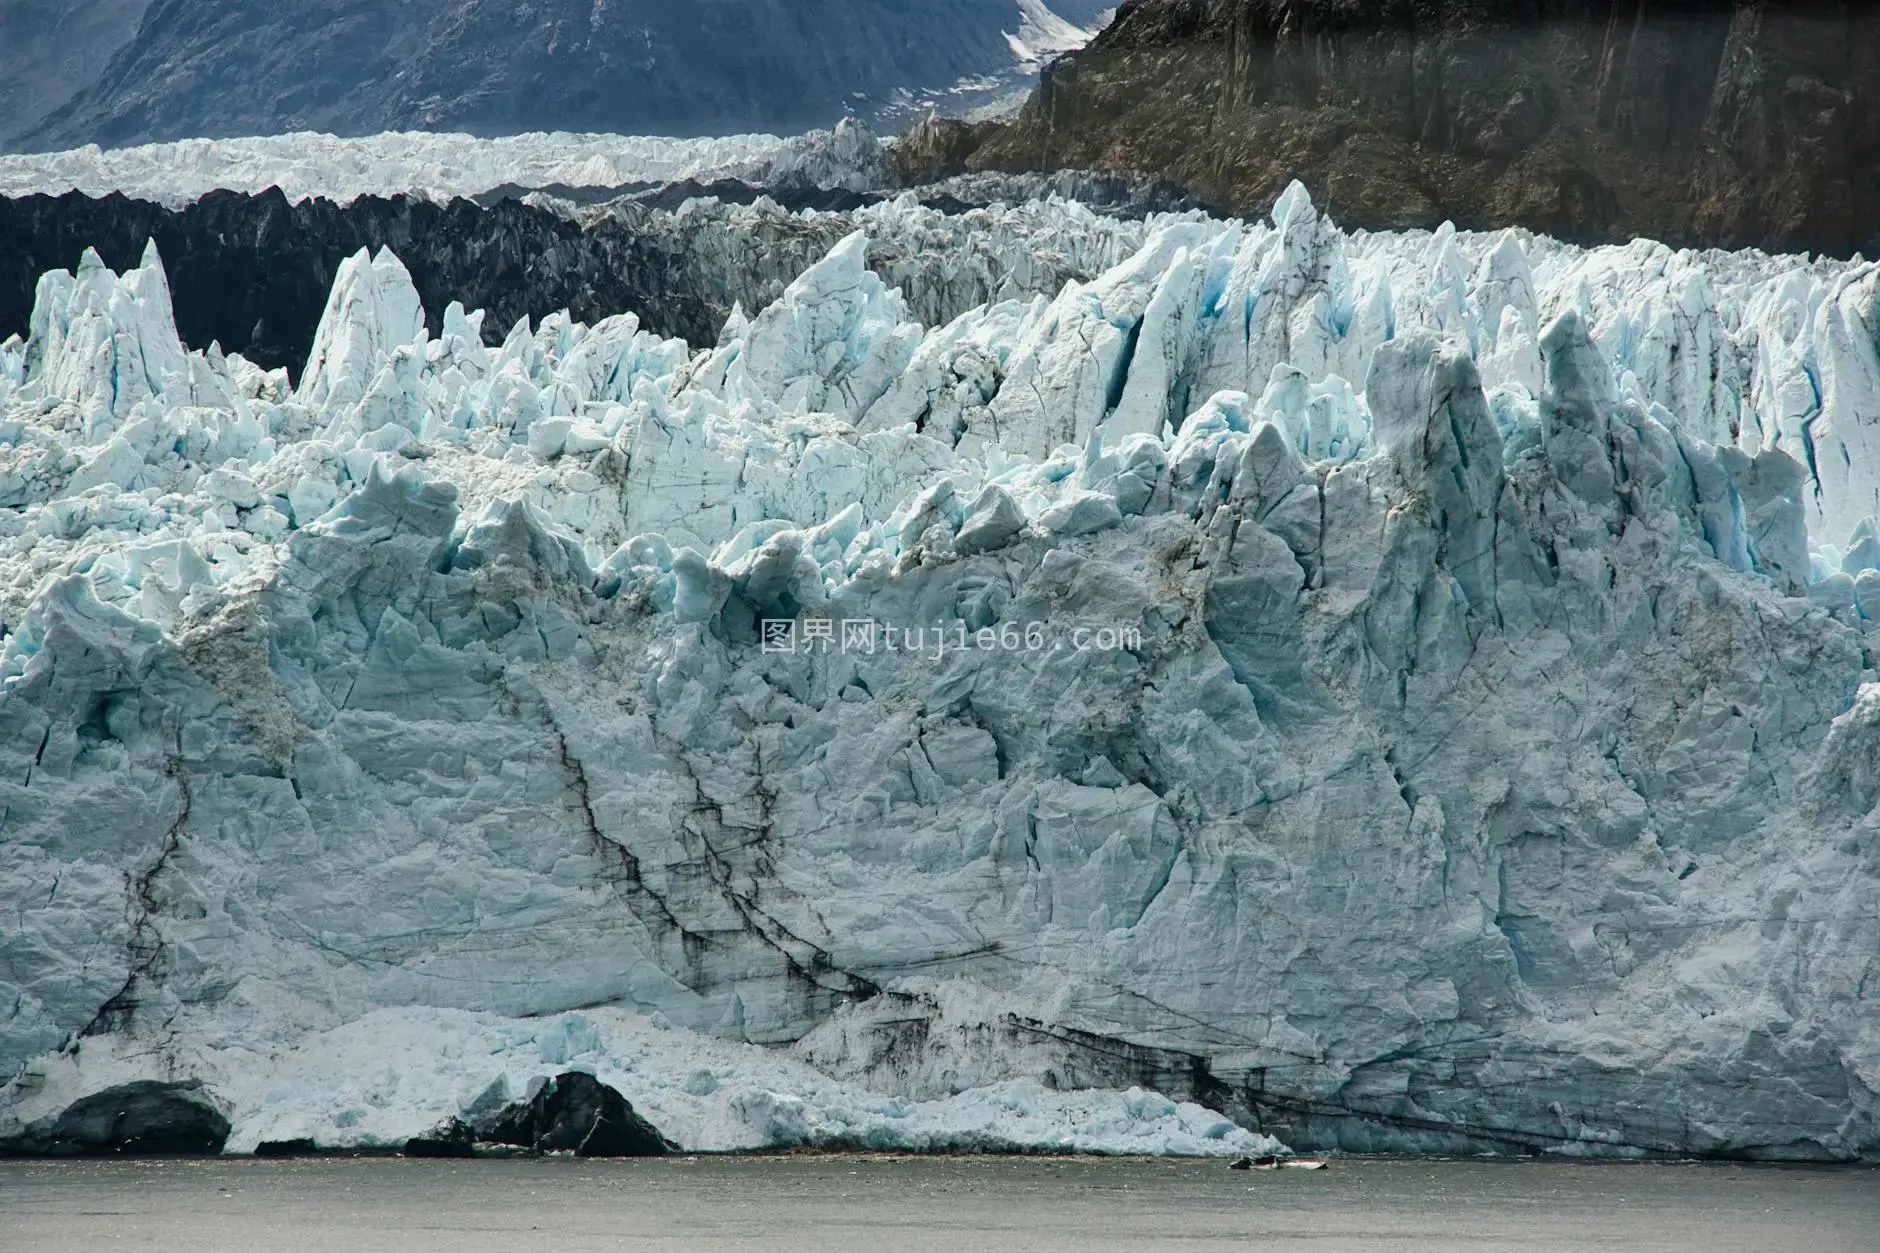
(1360, 691)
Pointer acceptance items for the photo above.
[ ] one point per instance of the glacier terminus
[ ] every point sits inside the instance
(1492, 765)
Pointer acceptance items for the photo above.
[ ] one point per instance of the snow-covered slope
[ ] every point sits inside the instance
(1042, 34)
(442, 165)
(1377, 686)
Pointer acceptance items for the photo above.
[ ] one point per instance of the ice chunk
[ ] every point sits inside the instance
(372, 311)
(993, 519)
(834, 342)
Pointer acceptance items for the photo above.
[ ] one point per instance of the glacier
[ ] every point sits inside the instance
(1396, 691)
(443, 164)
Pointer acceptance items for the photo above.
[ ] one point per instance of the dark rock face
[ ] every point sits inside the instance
(145, 1118)
(300, 1147)
(576, 1112)
(252, 273)
(1725, 122)
(450, 1138)
(690, 67)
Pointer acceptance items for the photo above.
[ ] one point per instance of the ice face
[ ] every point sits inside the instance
(1257, 709)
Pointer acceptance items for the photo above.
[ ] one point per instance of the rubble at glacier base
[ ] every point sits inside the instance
(1403, 692)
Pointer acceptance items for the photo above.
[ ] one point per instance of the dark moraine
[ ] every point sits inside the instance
(252, 272)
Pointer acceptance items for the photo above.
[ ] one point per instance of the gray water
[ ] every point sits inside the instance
(906, 1205)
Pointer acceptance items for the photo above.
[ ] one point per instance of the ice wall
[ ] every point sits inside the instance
(1376, 686)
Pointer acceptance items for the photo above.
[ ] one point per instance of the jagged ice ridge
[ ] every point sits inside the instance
(442, 165)
(1492, 761)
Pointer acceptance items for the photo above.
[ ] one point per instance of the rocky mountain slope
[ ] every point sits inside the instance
(1727, 122)
(683, 67)
(50, 50)
(1406, 692)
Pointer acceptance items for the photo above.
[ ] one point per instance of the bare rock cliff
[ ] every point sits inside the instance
(1725, 122)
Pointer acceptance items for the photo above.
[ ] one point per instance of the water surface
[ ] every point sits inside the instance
(909, 1205)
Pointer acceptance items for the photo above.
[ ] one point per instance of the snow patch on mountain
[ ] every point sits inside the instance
(1042, 34)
